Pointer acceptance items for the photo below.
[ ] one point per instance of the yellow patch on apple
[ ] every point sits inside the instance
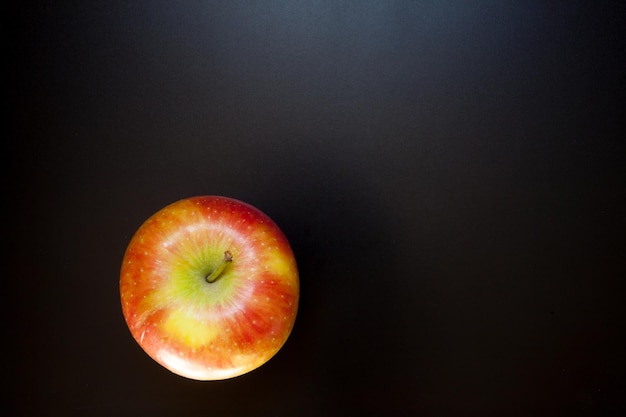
(191, 331)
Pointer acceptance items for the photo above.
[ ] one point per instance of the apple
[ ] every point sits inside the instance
(209, 287)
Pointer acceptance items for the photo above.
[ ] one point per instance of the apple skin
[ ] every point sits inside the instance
(202, 330)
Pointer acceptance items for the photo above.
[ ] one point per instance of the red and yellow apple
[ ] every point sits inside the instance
(209, 287)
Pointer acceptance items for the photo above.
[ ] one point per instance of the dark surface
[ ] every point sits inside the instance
(450, 175)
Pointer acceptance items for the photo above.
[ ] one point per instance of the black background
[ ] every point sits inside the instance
(450, 175)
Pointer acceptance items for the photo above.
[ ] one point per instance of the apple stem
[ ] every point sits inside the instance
(213, 276)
